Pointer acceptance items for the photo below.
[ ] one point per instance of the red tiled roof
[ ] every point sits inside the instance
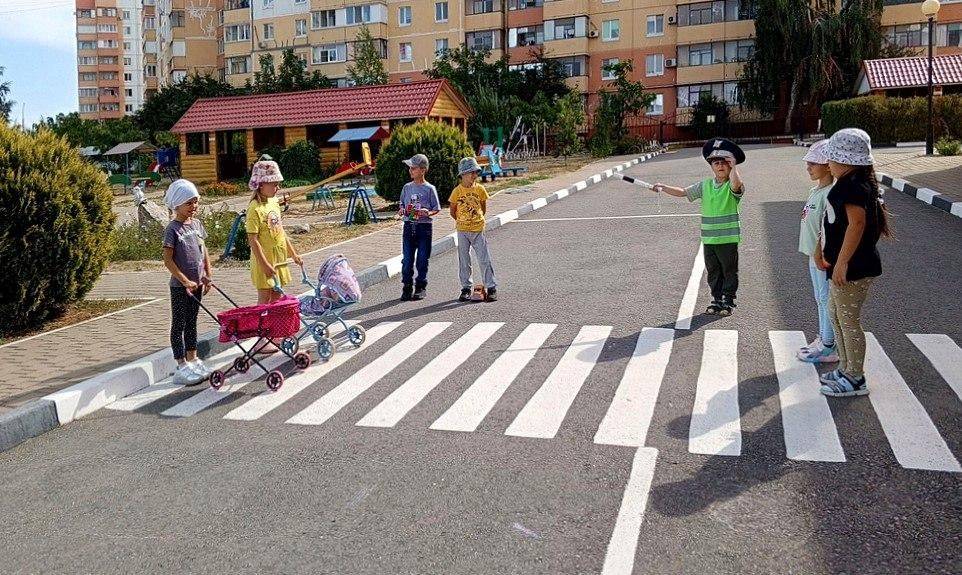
(330, 106)
(889, 73)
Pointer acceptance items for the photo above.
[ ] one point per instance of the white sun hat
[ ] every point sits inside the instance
(850, 146)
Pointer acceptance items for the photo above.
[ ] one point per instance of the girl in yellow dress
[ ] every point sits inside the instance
(270, 246)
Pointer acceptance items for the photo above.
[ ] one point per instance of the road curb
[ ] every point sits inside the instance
(62, 407)
(927, 195)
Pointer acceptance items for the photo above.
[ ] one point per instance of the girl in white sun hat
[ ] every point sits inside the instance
(823, 349)
(855, 219)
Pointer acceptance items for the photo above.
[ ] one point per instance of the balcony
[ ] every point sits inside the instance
(485, 21)
(577, 83)
(237, 5)
(566, 47)
(710, 73)
(564, 8)
(715, 32)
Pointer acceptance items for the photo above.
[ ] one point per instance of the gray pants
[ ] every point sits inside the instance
(476, 240)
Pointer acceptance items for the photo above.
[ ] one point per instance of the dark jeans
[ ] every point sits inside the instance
(416, 250)
(183, 320)
(721, 263)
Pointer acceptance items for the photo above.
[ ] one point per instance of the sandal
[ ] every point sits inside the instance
(713, 309)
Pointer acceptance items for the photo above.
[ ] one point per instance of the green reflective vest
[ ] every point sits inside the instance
(719, 214)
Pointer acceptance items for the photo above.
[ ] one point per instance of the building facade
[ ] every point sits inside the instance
(679, 49)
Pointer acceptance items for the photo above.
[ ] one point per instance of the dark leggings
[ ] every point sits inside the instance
(183, 320)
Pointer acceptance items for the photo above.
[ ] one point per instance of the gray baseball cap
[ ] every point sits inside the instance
(417, 161)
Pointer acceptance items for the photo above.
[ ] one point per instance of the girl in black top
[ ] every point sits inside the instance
(855, 219)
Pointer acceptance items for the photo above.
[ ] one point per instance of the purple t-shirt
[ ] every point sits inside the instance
(424, 195)
(187, 240)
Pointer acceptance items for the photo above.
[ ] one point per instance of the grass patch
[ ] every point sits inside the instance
(76, 313)
(323, 235)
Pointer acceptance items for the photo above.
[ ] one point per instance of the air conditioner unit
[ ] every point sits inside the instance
(592, 33)
(671, 21)
(262, 44)
(670, 62)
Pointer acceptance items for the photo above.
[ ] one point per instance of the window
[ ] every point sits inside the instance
(440, 45)
(150, 22)
(107, 28)
(654, 64)
(237, 33)
(300, 27)
(86, 61)
(564, 28)
(108, 12)
(607, 74)
(108, 75)
(128, 31)
(127, 46)
(359, 14)
(128, 92)
(572, 67)
(656, 25)
(86, 29)
(268, 4)
(689, 95)
(198, 144)
(178, 75)
(657, 106)
(178, 48)
(950, 35)
(610, 30)
(128, 61)
(695, 55)
(88, 77)
(713, 12)
(150, 70)
(526, 36)
(239, 65)
(177, 18)
(128, 107)
(440, 11)
(484, 40)
(128, 77)
(522, 4)
(150, 47)
(268, 31)
(739, 50)
(908, 35)
(329, 53)
(405, 53)
(110, 60)
(85, 13)
(88, 92)
(126, 14)
(404, 16)
(86, 45)
(322, 19)
(88, 108)
(482, 6)
(107, 44)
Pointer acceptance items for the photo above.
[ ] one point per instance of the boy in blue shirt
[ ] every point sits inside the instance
(419, 205)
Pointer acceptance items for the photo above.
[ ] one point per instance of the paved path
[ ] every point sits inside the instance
(39, 366)
(572, 427)
(940, 173)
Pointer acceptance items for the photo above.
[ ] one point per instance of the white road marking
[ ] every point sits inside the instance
(716, 418)
(810, 432)
(620, 555)
(944, 355)
(687, 309)
(630, 413)
(543, 414)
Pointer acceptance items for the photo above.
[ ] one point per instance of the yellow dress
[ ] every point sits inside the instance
(264, 219)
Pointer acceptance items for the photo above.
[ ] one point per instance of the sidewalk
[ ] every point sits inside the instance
(35, 367)
(940, 173)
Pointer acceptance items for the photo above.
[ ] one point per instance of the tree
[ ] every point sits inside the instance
(6, 104)
(569, 119)
(709, 116)
(101, 134)
(162, 110)
(809, 51)
(615, 106)
(368, 69)
(292, 75)
(265, 79)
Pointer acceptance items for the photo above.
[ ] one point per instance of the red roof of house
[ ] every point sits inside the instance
(888, 73)
(330, 106)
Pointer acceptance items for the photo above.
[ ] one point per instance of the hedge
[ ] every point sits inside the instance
(57, 221)
(892, 120)
(444, 145)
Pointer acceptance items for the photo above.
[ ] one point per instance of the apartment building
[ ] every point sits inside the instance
(680, 49)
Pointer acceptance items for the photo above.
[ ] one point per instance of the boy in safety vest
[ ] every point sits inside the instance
(720, 231)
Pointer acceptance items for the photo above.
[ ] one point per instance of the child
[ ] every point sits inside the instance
(720, 229)
(822, 350)
(469, 203)
(185, 255)
(855, 219)
(419, 203)
(270, 246)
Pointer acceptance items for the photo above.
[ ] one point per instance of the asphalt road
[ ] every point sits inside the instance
(423, 453)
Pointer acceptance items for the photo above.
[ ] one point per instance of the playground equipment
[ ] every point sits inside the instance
(493, 168)
(125, 149)
(323, 193)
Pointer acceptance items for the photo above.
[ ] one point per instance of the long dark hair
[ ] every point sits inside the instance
(868, 173)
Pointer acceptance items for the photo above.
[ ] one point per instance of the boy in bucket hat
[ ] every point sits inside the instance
(418, 206)
(469, 203)
(720, 228)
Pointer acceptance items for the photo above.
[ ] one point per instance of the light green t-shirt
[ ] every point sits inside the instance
(812, 219)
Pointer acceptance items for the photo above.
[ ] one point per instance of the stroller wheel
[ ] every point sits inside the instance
(275, 380)
(217, 379)
(302, 360)
(241, 365)
(320, 331)
(290, 345)
(356, 335)
(325, 348)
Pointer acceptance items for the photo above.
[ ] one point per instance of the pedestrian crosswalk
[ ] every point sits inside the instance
(808, 425)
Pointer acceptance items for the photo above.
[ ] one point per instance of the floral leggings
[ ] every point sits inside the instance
(845, 307)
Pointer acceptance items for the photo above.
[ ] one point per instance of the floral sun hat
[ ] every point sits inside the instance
(264, 172)
(850, 146)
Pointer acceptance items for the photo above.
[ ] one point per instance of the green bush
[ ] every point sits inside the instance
(361, 216)
(444, 145)
(56, 222)
(893, 120)
(948, 147)
(300, 160)
(242, 247)
(217, 224)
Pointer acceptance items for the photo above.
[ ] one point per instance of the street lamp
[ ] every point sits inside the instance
(930, 8)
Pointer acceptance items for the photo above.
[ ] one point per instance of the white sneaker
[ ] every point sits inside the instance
(200, 368)
(185, 375)
(808, 349)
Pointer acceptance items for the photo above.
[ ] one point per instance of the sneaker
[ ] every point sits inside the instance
(200, 368)
(406, 293)
(845, 386)
(816, 344)
(830, 377)
(465, 295)
(822, 354)
(185, 375)
(492, 295)
(419, 294)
